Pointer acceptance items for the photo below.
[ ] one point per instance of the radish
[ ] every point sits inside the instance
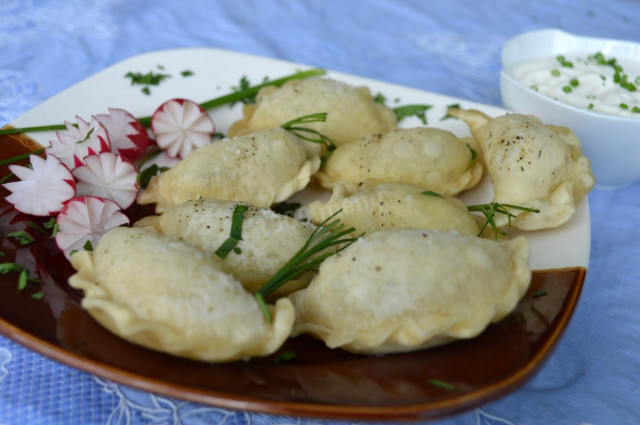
(85, 219)
(107, 175)
(77, 142)
(128, 137)
(180, 126)
(43, 189)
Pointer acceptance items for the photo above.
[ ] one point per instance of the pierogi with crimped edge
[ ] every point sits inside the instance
(163, 293)
(403, 290)
(428, 157)
(531, 165)
(395, 206)
(351, 111)
(261, 168)
(269, 239)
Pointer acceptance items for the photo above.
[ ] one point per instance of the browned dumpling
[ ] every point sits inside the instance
(166, 294)
(531, 165)
(403, 290)
(351, 111)
(262, 168)
(431, 158)
(396, 206)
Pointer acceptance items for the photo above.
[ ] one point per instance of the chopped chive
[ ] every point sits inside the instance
(624, 106)
(406, 111)
(448, 115)
(590, 106)
(38, 295)
(10, 268)
(555, 73)
(635, 109)
(146, 91)
(87, 246)
(235, 235)
(186, 73)
(533, 87)
(574, 82)
(431, 193)
(237, 250)
(567, 89)
(540, 293)
(22, 280)
(35, 226)
(22, 237)
(380, 98)
(285, 356)
(441, 384)
(493, 208)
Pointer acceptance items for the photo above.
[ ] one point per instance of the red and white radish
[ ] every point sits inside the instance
(43, 189)
(109, 176)
(180, 126)
(73, 145)
(127, 135)
(85, 219)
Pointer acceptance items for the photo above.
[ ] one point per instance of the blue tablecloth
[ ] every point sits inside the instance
(450, 47)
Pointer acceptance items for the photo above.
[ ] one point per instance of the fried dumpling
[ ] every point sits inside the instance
(261, 168)
(531, 165)
(351, 111)
(431, 158)
(166, 294)
(269, 239)
(396, 206)
(403, 290)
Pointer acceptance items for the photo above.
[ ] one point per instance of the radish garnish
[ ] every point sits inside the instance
(128, 137)
(43, 189)
(180, 126)
(107, 175)
(77, 142)
(84, 220)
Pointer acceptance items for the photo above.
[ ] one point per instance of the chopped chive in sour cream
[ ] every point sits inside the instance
(555, 72)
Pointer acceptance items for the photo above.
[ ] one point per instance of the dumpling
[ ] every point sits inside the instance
(165, 294)
(269, 239)
(396, 206)
(261, 168)
(531, 165)
(403, 290)
(351, 111)
(427, 157)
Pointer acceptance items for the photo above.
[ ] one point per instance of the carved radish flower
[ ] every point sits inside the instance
(128, 137)
(109, 176)
(180, 126)
(43, 189)
(84, 220)
(73, 145)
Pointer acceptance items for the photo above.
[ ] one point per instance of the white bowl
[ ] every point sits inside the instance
(611, 143)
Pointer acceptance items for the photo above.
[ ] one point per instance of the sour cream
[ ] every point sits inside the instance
(584, 81)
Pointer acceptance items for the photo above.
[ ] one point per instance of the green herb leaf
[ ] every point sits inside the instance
(432, 193)
(186, 73)
(380, 99)
(87, 246)
(448, 115)
(419, 111)
(540, 293)
(490, 210)
(6, 268)
(243, 86)
(22, 280)
(555, 73)
(144, 176)
(331, 232)
(38, 295)
(285, 356)
(22, 237)
(235, 235)
(148, 79)
(286, 208)
(441, 384)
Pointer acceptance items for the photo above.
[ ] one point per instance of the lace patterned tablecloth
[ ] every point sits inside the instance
(450, 47)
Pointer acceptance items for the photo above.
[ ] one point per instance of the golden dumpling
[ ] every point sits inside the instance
(269, 239)
(531, 165)
(351, 111)
(262, 168)
(431, 158)
(396, 206)
(166, 294)
(403, 290)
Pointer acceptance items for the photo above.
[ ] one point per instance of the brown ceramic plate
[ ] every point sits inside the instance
(320, 382)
